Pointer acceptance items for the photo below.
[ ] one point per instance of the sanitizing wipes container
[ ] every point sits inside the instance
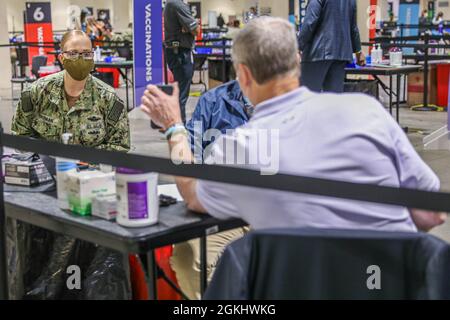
(63, 168)
(138, 201)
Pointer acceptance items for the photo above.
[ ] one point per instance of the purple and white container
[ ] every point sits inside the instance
(138, 201)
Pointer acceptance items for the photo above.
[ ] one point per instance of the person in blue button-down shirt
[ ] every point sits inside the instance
(220, 109)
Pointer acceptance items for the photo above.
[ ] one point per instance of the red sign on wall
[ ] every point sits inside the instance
(39, 30)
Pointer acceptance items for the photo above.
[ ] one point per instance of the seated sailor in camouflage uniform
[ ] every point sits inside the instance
(72, 101)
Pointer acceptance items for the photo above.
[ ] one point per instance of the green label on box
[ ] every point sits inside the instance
(82, 208)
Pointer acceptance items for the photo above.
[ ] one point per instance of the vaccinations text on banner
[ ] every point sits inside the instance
(39, 30)
(148, 45)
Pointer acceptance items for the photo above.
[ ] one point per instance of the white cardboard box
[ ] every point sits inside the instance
(84, 186)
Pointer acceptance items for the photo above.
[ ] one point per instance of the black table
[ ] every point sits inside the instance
(390, 72)
(217, 57)
(176, 225)
(123, 68)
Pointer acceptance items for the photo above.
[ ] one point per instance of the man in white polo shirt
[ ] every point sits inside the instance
(339, 137)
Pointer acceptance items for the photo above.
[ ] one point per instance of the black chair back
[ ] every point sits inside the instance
(22, 56)
(333, 264)
(37, 63)
(125, 52)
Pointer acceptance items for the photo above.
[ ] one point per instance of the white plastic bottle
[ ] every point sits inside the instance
(63, 168)
(98, 54)
(138, 201)
(377, 55)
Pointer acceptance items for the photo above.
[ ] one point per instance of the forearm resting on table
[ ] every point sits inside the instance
(427, 220)
(181, 153)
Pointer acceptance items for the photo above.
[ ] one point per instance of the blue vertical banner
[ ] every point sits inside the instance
(409, 12)
(148, 45)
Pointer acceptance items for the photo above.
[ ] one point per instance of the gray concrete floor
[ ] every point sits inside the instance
(150, 142)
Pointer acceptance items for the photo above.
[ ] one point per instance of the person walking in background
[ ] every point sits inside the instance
(252, 14)
(233, 30)
(328, 38)
(423, 21)
(220, 21)
(180, 31)
(439, 19)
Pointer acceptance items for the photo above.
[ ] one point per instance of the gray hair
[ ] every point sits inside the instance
(269, 48)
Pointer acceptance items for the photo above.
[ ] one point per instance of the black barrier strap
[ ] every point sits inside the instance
(27, 46)
(57, 44)
(435, 201)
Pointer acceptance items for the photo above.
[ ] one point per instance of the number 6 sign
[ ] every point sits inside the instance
(38, 29)
(38, 12)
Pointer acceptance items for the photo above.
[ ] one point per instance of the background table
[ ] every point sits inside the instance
(390, 72)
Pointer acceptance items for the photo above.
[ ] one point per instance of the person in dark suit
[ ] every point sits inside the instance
(328, 38)
(220, 21)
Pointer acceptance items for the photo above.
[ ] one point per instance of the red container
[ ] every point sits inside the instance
(443, 76)
(115, 72)
(138, 278)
